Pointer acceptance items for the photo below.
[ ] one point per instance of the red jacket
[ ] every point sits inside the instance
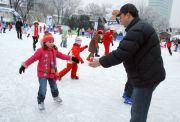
(34, 31)
(169, 44)
(107, 37)
(75, 51)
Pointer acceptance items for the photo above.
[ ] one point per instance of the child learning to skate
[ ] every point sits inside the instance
(46, 69)
(73, 66)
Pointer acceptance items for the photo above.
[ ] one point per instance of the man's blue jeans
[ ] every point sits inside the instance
(141, 102)
(43, 88)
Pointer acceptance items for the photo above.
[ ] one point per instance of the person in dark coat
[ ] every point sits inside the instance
(141, 55)
(19, 25)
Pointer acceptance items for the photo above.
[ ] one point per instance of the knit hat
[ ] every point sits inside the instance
(100, 31)
(48, 38)
(78, 40)
(46, 31)
(35, 22)
(112, 28)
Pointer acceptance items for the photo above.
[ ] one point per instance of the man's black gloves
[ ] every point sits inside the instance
(75, 59)
(21, 69)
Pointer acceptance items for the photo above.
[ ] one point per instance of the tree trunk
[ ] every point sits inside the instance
(58, 16)
(10, 2)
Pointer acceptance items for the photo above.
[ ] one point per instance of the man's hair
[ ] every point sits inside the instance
(129, 8)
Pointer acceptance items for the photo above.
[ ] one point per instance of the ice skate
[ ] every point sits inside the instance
(41, 106)
(57, 99)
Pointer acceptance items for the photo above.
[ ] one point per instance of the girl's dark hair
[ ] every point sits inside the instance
(44, 46)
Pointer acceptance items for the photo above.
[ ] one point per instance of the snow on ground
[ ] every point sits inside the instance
(95, 97)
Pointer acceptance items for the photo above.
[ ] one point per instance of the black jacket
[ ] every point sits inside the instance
(19, 24)
(140, 53)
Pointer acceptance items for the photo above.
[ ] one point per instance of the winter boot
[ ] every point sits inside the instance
(90, 59)
(128, 100)
(41, 106)
(57, 99)
(75, 78)
(125, 95)
(96, 55)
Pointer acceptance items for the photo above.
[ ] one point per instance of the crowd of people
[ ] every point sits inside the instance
(4, 26)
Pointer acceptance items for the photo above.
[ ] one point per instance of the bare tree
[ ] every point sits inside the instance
(44, 8)
(158, 22)
(71, 6)
(25, 8)
(70, 9)
(59, 6)
(104, 8)
(94, 10)
(149, 15)
(17, 4)
(10, 2)
(22, 6)
(64, 8)
(141, 7)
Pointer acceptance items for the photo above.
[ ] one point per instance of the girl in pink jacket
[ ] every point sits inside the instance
(46, 69)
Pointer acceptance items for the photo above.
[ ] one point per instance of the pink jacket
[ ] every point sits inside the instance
(47, 61)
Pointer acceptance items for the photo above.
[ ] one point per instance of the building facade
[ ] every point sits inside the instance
(162, 7)
(4, 2)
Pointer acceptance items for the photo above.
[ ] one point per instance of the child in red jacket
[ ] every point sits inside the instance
(168, 45)
(75, 51)
(46, 69)
(108, 39)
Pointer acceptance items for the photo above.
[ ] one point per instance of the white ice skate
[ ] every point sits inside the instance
(41, 106)
(57, 99)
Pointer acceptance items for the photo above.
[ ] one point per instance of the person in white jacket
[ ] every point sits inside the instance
(34, 31)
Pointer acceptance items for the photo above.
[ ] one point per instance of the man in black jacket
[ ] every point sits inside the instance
(141, 55)
(19, 25)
